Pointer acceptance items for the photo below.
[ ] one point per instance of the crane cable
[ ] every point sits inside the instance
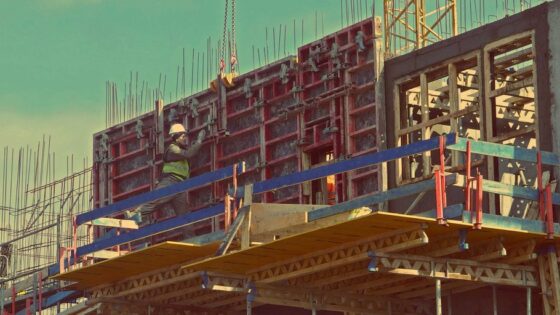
(233, 50)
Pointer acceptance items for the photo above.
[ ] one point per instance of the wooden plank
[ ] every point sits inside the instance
(274, 234)
(514, 58)
(145, 260)
(105, 254)
(245, 232)
(160, 133)
(438, 120)
(116, 223)
(505, 151)
(513, 134)
(512, 87)
(233, 229)
(268, 217)
(392, 194)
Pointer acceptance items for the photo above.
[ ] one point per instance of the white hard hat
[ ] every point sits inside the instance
(176, 128)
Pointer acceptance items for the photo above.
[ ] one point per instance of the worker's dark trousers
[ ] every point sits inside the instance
(178, 202)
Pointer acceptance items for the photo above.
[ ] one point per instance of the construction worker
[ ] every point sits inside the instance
(175, 169)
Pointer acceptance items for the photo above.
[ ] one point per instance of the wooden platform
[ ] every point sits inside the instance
(136, 263)
(376, 224)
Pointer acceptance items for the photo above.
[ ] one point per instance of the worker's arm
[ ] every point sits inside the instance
(176, 153)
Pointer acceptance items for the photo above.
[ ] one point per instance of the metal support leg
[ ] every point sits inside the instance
(249, 307)
(449, 305)
(529, 299)
(494, 300)
(35, 286)
(250, 297)
(2, 301)
(438, 297)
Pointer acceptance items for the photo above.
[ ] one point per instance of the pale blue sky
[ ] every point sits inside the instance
(56, 55)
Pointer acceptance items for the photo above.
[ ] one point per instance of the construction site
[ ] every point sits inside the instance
(405, 164)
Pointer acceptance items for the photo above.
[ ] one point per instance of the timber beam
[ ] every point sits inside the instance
(453, 269)
(550, 282)
(341, 255)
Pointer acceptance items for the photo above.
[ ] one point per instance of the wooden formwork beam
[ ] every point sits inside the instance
(549, 281)
(349, 253)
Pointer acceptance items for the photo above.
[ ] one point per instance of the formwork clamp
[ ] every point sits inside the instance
(463, 244)
(205, 280)
(372, 266)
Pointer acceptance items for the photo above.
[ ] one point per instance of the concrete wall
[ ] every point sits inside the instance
(554, 71)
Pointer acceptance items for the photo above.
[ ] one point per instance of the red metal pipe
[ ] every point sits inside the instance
(539, 185)
(442, 170)
(549, 214)
(234, 198)
(40, 292)
(468, 178)
(439, 200)
(13, 300)
(27, 307)
(479, 195)
(226, 213)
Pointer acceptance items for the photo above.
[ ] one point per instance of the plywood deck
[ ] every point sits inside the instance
(245, 261)
(136, 263)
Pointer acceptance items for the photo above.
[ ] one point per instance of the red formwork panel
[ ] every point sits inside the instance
(337, 81)
(279, 119)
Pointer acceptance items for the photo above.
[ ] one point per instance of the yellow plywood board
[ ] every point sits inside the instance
(145, 260)
(245, 261)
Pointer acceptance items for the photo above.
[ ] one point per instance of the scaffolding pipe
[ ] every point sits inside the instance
(529, 302)
(438, 297)
(28, 234)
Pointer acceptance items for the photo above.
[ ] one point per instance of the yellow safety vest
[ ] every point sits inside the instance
(179, 168)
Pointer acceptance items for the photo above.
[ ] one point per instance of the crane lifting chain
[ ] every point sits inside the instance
(231, 42)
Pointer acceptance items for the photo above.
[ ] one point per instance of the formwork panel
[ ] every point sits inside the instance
(276, 119)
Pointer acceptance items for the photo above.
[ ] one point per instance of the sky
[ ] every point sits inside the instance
(56, 55)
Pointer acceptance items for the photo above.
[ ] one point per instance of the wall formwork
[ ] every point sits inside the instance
(291, 115)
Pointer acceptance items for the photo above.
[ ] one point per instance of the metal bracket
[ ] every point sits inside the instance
(334, 53)
(284, 74)
(463, 245)
(205, 280)
(193, 104)
(259, 103)
(247, 88)
(138, 129)
(359, 39)
(251, 292)
(296, 89)
(372, 266)
(172, 116)
(330, 130)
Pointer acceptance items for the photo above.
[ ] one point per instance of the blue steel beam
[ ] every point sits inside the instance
(351, 164)
(392, 194)
(192, 182)
(146, 231)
